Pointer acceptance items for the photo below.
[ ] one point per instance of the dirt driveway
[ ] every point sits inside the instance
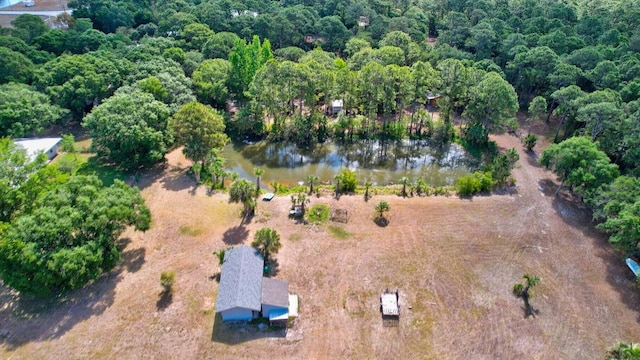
(453, 260)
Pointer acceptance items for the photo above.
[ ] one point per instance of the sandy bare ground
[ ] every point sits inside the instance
(454, 261)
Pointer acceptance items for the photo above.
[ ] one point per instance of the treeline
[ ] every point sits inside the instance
(576, 64)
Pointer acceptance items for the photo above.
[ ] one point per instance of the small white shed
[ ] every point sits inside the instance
(48, 146)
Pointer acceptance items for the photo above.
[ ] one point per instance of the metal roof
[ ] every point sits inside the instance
(275, 292)
(241, 279)
(35, 146)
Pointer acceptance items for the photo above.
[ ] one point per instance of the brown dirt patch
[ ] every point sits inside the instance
(454, 261)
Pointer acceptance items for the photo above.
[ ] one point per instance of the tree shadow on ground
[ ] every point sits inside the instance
(274, 267)
(574, 213)
(133, 259)
(232, 333)
(25, 319)
(165, 298)
(235, 235)
(146, 178)
(176, 179)
(381, 221)
(529, 311)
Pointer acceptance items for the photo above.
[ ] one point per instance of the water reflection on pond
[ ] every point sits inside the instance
(377, 161)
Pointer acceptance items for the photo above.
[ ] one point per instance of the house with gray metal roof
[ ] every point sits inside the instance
(275, 299)
(244, 294)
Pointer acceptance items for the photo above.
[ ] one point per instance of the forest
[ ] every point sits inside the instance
(143, 77)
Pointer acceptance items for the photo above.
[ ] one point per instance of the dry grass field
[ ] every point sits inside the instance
(454, 261)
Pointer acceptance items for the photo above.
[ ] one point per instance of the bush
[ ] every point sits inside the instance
(502, 165)
(530, 141)
(476, 135)
(474, 183)
(167, 279)
(517, 290)
(67, 165)
(348, 180)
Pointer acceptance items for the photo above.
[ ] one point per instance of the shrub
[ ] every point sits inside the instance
(502, 165)
(530, 141)
(167, 279)
(517, 289)
(381, 208)
(474, 183)
(348, 180)
(67, 165)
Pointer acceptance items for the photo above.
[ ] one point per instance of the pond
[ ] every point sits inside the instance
(381, 162)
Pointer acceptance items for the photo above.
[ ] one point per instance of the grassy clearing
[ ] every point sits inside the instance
(191, 231)
(319, 213)
(338, 232)
(295, 237)
(86, 164)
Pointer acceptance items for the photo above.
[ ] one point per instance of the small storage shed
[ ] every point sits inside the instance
(48, 146)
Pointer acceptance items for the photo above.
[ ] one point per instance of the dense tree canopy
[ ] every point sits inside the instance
(200, 129)
(579, 163)
(388, 63)
(24, 111)
(69, 238)
(130, 129)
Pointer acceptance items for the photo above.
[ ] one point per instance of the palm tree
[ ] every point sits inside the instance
(381, 208)
(420, 185)
(243, 191)
(530, 282)
(267, 241)
(367, 185)
(404, 181)
(221, 253)
(310, 180)
(216, 169)
(521, 290)
(302, 201)
(624, 351)
(258, 172)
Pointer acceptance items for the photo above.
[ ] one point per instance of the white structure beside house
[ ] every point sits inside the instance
(244, 294)
(47, 146)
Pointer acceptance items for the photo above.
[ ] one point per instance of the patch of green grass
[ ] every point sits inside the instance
(295, 237)
(319, 213)
(107, 174)
(339, 232)
(191, 231)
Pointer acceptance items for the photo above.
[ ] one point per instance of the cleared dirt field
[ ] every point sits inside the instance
(453, 260)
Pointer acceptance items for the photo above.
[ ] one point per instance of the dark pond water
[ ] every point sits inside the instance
(377, 161)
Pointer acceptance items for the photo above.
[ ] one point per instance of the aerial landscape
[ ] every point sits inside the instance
(351, 179)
